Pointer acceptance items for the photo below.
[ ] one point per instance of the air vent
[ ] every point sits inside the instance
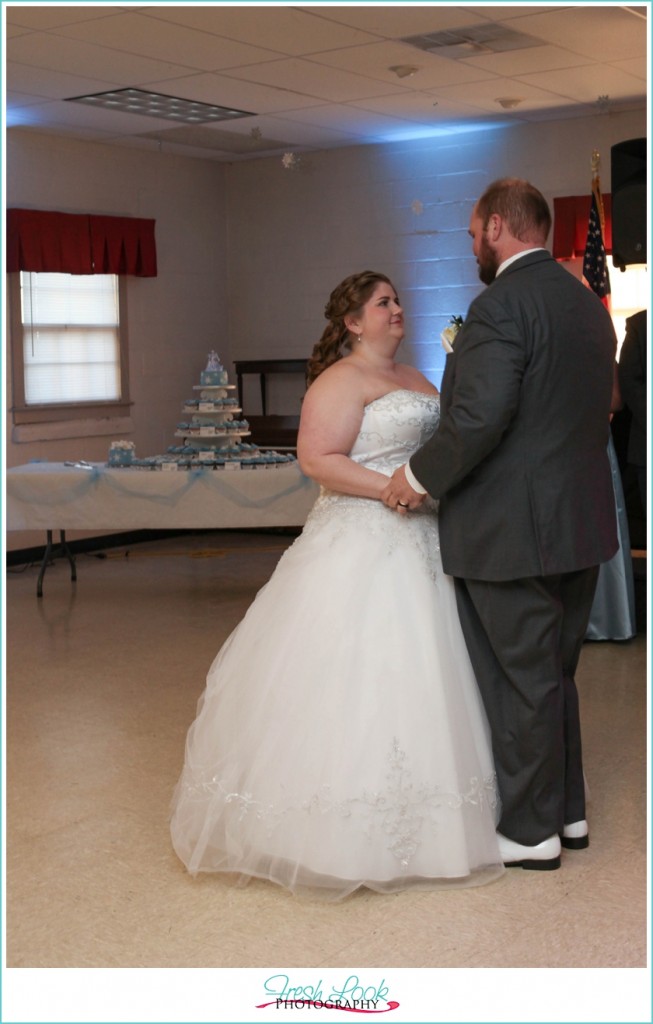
(472, 41)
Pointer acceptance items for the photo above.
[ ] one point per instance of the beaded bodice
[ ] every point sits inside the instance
(394, 426)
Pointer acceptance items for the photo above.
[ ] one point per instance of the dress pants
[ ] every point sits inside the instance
(524, 638)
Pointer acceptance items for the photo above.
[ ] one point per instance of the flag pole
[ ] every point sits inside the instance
(595, 264)
(595, 163)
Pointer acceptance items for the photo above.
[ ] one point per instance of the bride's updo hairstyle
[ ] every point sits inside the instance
(346, 300)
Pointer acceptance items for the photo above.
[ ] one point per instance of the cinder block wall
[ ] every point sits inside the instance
(249, 252)
(402, 208)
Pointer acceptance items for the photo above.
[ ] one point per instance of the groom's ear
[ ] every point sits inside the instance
(493, 227)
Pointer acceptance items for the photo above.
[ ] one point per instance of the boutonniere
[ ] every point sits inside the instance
(449, 333)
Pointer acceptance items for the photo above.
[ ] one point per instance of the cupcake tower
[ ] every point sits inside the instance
(212, 434)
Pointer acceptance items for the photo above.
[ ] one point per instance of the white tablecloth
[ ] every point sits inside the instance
(51, 496)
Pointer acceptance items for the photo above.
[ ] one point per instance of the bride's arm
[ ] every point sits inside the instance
(331, 418)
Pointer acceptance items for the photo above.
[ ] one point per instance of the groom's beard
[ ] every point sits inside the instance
(488, 263)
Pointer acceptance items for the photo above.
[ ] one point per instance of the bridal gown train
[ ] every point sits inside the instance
(340, 741)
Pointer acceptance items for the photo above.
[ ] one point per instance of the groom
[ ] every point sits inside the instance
(527, 509)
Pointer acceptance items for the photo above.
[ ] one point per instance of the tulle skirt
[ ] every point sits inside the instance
(340, 741)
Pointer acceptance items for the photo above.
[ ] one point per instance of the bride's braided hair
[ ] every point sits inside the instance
(348, 298)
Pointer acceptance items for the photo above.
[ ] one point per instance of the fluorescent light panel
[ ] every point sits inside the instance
(153, 104)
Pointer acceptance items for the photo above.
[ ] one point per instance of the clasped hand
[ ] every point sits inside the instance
(399, 495)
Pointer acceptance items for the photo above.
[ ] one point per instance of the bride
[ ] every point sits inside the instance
(340, 741)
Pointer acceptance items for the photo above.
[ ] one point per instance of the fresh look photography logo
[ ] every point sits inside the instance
(354, 996)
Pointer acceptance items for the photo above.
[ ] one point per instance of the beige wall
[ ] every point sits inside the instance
(173, 319)
(248, 252)
(294, 234)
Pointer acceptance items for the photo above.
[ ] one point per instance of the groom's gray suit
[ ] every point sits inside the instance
(527, 513)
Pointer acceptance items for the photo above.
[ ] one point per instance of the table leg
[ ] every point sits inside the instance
(69, 556)
(49, 553)
(44, 563)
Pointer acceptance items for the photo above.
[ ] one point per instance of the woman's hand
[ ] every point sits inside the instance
(399, 495)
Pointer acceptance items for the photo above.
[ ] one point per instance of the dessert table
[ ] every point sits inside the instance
(53, 496)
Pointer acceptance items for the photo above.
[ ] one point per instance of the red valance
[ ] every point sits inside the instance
(44, 241)
(123, 245)
(570, 218)
(72, 243)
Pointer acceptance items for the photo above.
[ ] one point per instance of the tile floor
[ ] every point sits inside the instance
(103, 680)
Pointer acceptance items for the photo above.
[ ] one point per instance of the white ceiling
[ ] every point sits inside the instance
(316, 76)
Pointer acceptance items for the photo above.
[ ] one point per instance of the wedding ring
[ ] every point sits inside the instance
(403, 504)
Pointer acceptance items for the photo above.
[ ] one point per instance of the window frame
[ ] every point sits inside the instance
(57, 412)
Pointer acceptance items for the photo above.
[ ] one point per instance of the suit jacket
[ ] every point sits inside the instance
(520, 460)
(632, 381)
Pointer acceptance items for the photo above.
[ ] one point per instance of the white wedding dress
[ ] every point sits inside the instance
(341, 741)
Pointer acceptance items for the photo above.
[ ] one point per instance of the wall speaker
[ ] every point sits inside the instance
(629, 243)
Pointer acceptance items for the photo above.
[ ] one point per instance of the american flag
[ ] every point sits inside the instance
(595, 264)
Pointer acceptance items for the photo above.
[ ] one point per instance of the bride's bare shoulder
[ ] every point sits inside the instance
(343, 374)
(340, 387)
(415, 380)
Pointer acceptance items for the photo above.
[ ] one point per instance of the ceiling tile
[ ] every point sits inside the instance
(47, 16)
(585, 84)
(636, 66)
(209, 137)
(161, 40)
(317, 76)
(20, 99)
(484, 98)
(519, 62)
(13, 31)
(376, 60)
(314, 79)
(612, 34)
(46, 51)
(423, 108)
(347, 118)
(289, 30)
(297, 133)
(506, 12)
(51, 84)
(393, 21)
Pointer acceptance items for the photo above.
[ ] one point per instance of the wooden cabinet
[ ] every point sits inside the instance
(270, 431)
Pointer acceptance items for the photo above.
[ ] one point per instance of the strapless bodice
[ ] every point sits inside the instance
(394, 426)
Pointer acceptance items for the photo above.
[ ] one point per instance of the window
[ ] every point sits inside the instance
(69, 350)
(71, 345)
